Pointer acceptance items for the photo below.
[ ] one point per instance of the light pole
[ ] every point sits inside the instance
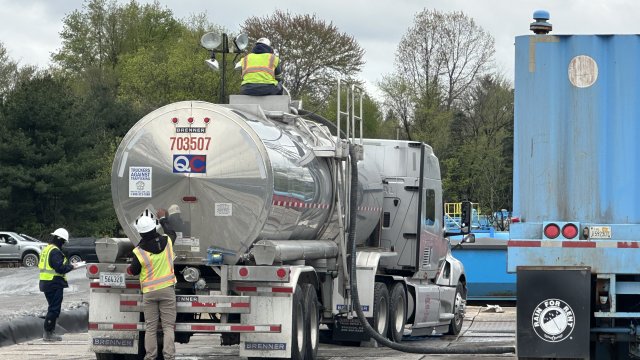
(211, 41)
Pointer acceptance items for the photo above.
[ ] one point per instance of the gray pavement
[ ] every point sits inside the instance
(486, 328)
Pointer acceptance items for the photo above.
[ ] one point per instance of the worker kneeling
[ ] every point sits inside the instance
(261, 71)
(154, 262)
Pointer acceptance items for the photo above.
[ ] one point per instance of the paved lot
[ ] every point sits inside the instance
(481, 328)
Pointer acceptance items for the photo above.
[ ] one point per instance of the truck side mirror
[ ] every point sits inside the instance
(465, 217)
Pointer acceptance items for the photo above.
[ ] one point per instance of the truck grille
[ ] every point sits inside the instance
(426, 258)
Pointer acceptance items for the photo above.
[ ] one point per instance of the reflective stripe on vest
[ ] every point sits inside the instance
(47, 273)
(259, 69)
(157, 269)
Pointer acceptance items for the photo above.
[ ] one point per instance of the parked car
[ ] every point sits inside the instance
(81, 249)
(30, 238)
(14, 247)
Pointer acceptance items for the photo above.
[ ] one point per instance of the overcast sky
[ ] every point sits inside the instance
(30, 28)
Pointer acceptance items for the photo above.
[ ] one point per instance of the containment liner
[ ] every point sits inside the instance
(29, 327)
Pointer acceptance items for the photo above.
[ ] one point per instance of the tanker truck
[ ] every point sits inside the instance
(576, 249)
(266, 203)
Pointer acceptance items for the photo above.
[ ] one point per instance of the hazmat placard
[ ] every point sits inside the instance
(140, 181)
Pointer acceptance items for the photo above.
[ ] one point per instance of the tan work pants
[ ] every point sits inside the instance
(159, 304)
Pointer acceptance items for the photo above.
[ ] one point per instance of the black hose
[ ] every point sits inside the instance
(356, 300)
(322, 120)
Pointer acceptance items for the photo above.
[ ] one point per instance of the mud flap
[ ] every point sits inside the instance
(116, 342)
(345, 329)
(553, 312)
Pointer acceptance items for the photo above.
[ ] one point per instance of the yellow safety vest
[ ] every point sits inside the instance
(47, 273)
(259, 69)
(157, 269)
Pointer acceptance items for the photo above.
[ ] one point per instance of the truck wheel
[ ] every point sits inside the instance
(381, 308)
(397, 312)
(30, 260)
(459, 303)
(298, 328)
(311, 320)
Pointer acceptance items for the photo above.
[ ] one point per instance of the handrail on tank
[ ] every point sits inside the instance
(357, 89)
(341, 113)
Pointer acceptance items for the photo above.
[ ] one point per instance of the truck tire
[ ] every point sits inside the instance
(459, 304)
(397, 312)
(381, 308)
(311, 320)
(298, 329)
(30, 259)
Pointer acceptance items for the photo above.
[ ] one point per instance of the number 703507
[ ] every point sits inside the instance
(190, 143)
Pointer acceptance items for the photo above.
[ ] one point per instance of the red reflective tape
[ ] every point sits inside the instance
(240, 305)
(246, 288)
(93, 326)
(125, 326)
(128, 303)
(578, 244)
(628, 245)
(203, 327)
(524, 243)
(199, 304)
(243, 328)
(275, 328)
(282, 290)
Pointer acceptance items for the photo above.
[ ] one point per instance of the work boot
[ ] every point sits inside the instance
(51, 336)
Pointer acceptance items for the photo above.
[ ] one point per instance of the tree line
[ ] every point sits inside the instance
(60, 126)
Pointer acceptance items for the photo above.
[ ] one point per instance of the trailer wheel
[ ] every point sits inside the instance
(381, 308)
(311, 320)
(459, 304)
(298, 328)
(397, 312)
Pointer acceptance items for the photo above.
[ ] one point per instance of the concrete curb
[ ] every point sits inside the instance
(30, 327)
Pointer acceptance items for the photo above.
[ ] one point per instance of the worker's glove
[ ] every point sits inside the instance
(79, 264)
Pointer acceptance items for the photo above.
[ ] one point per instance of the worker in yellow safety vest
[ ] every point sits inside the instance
(153, 261)
(261, 71)
(53, 266)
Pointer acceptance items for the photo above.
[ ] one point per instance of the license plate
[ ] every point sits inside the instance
(600, 232)
(112, 279)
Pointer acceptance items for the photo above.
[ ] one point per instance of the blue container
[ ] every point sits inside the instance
(485, 264)
(577, 125)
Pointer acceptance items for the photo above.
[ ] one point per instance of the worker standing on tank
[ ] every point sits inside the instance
(53, 266)
(261, 71)
(153, 260)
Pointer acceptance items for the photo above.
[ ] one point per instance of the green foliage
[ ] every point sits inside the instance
(481, 164)
(53, 161)
(100, 34)
(314, 53)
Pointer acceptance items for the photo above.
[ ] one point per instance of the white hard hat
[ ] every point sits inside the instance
(173, 209)
(264, 41)
(62, 234)
(145, 224)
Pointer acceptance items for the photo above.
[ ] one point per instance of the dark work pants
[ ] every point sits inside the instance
(54, 298)
(261, 89)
